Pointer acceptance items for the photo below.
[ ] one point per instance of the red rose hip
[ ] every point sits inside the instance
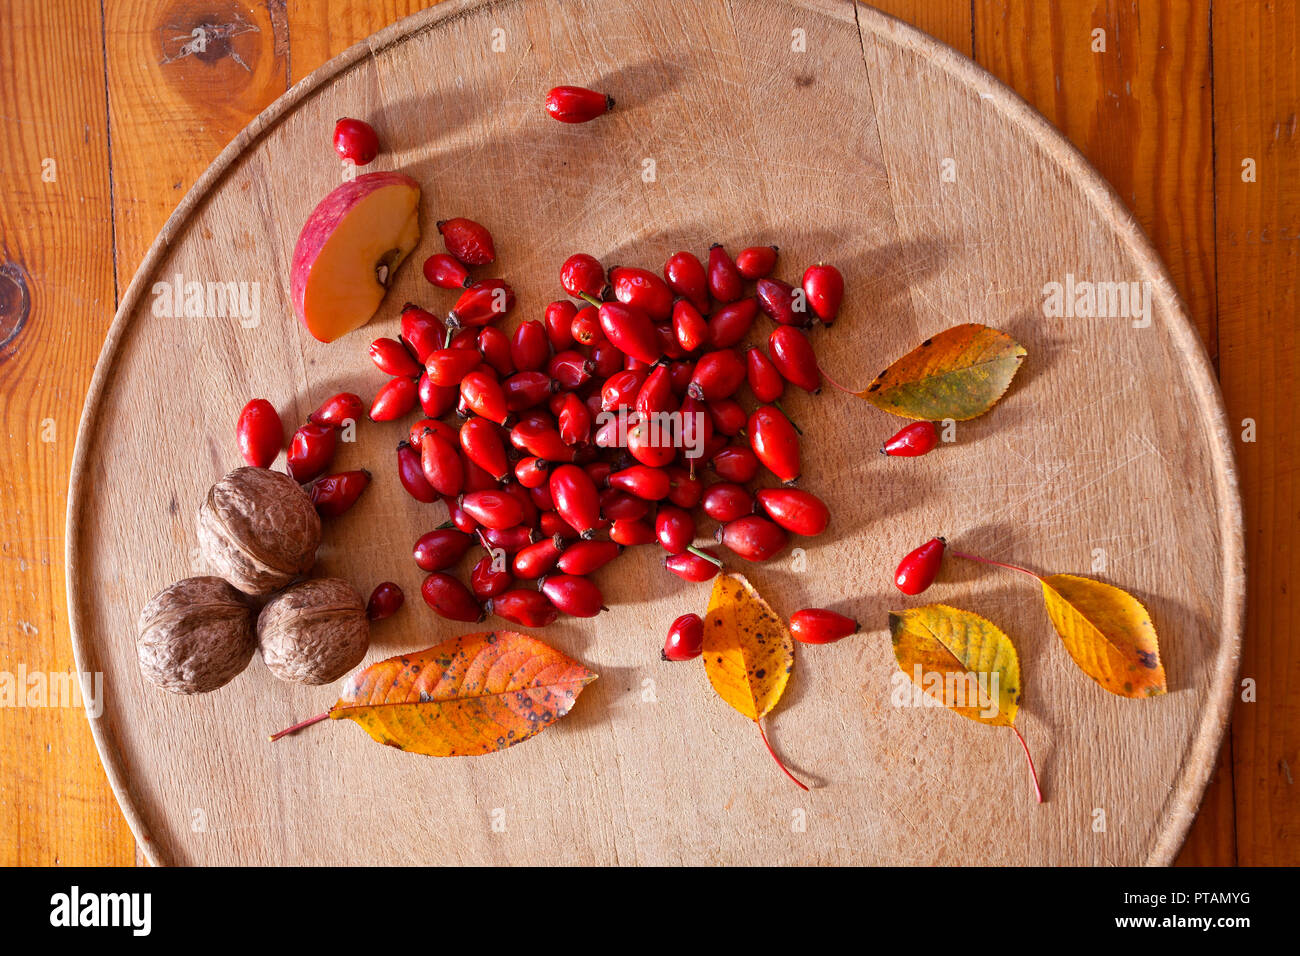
(914, 440)
(260, 433)
(919, 568)
(356, 140)
(685, 639)
(468, 241)
(576, 104)
(816, 625)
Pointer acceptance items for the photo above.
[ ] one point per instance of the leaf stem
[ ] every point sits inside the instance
(781, 408)
(705, 555)
(589, 299)
(300, 725)
(835, 384)
(1038, 791)
(799, 783)
(1009, 567)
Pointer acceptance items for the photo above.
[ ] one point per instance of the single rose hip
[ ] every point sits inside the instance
(629, 532)
(478, 478)
(558, 320)
(675, 528)
(630, 330)
(446, 367)
(422, 331)
(576, 104)
(717, 375)
(440, 549)
(536, 559)
(618, 505)
(725, 283)
(483, 394)
(551, 525)
(411, 474)
(621, 389)
(753, 537)
(730, 323)
(685, 275)
(815, 625)
(446, 271)
(756, 262)
(690, 328)
(726, 501)
(435, 400)
(483, 444)
(497, 510)
(824, 287)
(778, 302)
(482, 303)
(696, 565)
(775, 442)
(468, 241)
(338, 410)
(912, 441)
(440, 461)
(490, 577)
(310, 451)
(919, 568)
(736, 463)
(385, 601)
(334, 494)
(541, 441)
(575, 498)
(652, 484)
(652, 445)
(794, 358)
(260, 433)
(394, 400)
(529, 347)
(764, 378)
(800, 512)
(644, 290)
(460, 519)
(495, 346)
(356, 140)
(525, 608)
(573, 595)
(451, 599)
(525, 390)
(508, 540)
(392, 358)
(685, 639)
(728, 416)
(570, 368)
(586, 327)
(582, 274)
(606, 359)
(584, 557)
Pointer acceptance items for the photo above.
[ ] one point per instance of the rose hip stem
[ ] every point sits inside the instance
(712, 560)
(799, 783)
(1009, 567)
(300, 725)
(1038, 791)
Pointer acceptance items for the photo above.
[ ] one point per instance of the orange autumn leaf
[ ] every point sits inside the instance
(470, 695)
(959, 374)
(748, 652)
(1108, 633)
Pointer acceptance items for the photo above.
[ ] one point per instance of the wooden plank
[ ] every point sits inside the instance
(1256, 87)
(948, 21)
(56, 235)
(183, 80)
(1135, 98)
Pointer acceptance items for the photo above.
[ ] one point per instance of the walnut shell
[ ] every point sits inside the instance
(258, 529)
(315, 632)
(195, 636)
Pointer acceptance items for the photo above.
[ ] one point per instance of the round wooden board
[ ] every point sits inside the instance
(1109, 455)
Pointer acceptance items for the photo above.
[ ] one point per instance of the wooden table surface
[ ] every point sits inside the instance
(109, 114)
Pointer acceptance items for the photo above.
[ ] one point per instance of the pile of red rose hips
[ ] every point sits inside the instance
(600, 427)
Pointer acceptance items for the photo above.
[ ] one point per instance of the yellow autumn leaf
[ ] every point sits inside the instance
(965, 662)
(748, 650)
(1108, 633)
(960, 659)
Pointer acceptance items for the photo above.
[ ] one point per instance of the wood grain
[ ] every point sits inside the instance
(1257, 83)
(1135, 99)
(873, 201)
(56, 241)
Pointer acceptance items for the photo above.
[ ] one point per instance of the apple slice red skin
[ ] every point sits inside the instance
(320, 225)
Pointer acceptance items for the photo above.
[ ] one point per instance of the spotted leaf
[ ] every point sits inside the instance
(959, 374)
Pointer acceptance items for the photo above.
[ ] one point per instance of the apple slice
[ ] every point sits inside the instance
(348, 250)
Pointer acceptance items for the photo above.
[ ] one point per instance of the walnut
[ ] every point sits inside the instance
(258, 529)
(315, 632)
(195, 636)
